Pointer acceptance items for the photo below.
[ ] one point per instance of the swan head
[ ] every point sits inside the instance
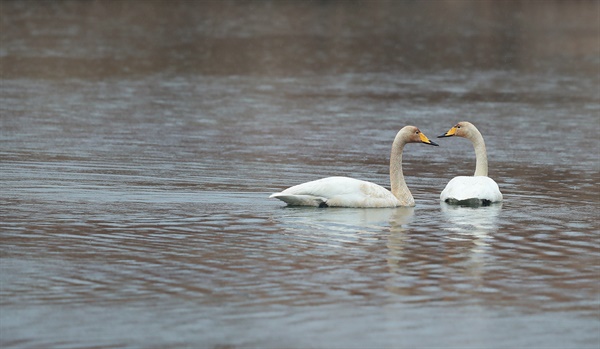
(462, 129)
(412, 134)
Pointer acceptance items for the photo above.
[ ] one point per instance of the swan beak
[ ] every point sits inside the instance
(426, 140)
(451, 132)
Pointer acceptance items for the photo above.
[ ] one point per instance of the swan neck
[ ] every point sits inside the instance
(398, 185)
(481, 161)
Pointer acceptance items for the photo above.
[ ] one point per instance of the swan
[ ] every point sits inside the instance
(350, 192)
(479, 189)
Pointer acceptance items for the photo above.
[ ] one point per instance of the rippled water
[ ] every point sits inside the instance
(140, 142)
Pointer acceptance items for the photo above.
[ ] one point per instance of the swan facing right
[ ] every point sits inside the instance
(479, 189)
(350, 192)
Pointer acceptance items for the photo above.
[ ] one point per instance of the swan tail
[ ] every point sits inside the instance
(300, 200)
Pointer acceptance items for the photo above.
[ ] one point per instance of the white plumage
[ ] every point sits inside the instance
(350, 192)
(465, 188)
(340, 191)
(479, 189)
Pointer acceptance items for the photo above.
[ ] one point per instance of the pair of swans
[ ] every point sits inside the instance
(350, 192)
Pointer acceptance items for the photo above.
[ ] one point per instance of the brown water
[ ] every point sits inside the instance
(140, 142)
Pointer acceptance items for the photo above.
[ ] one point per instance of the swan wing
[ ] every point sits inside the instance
(338, 191)
(466, 188)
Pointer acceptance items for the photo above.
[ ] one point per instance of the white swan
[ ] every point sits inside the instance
(479, 189)
(350, 192)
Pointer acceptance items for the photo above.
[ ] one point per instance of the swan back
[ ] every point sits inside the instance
(466, 189)
(340, 192)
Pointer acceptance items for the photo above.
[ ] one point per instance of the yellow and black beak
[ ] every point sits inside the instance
(426, 140)
(451, 132)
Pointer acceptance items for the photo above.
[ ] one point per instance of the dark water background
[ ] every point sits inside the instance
(140, 141)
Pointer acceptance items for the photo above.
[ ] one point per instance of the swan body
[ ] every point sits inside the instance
(340, 191)
(350, 192)
(479, 189)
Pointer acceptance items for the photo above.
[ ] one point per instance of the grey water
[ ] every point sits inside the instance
(140, 142)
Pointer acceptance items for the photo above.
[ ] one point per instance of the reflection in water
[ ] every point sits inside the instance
(140, 140)
(395, 249)
(477, 222)
(476, 225)
(345, 220)
(423, 266)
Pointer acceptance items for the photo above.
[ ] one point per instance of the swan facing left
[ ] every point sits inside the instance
(350, 192)
(478, 189)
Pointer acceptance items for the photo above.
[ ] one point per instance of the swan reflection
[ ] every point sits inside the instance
(346, 221)
(476, 225)
(477, 222)
(424, 265)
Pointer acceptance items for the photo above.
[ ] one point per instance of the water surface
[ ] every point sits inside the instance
(140, 143)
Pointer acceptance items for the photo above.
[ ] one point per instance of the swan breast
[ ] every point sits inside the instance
(463, 188)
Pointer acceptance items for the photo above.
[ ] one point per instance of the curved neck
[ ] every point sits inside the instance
(399, 188)
(481, 162)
